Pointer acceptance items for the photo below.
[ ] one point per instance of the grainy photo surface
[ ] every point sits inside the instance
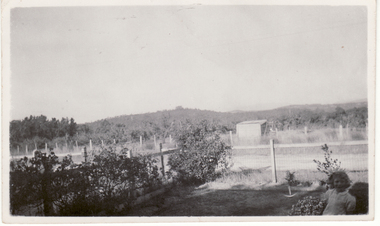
(250, 111)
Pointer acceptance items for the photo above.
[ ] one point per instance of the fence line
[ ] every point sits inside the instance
(167, 151)
(359, 142)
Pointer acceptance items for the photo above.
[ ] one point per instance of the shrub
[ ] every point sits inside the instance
(308, 206)
(291, 178)
(203, 152)
(107, 182)
(30, 182)
(80, 190)
(330, 165)
(360, 191)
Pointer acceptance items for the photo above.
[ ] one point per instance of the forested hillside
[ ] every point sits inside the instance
(38, 130)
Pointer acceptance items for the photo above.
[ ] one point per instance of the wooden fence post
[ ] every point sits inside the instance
(273, 161)
(85, 154)
(26, 149)
(90, 145)
(114, 141)
(140, 141)
(18, 149)
(162, 161)
(305, 130)
(231, 138)
(46, 147)
(341, 132)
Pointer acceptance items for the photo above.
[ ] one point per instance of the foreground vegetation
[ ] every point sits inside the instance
(107, 182)
(46, 186)
(110, 182)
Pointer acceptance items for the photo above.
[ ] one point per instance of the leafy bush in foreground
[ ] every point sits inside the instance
(203, 152)
(67, 189)
(308, 206)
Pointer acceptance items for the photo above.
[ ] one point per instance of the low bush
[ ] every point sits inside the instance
(360, 191)
(291, 178)
(309, 205)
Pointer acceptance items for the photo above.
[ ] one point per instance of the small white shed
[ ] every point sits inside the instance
(250, 129)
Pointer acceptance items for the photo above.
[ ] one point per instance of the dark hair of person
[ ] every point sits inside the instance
(343, 176)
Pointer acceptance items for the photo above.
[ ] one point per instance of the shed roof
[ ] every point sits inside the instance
(253, 122)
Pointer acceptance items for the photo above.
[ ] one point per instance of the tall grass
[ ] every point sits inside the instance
(299, 136)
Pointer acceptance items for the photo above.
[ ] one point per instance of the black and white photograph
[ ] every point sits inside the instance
(188, 111)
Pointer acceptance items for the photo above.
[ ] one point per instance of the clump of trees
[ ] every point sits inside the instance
(38, 130)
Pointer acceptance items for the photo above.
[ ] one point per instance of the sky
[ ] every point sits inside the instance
(91, 63)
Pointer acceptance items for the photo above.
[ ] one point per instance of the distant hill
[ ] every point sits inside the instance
(318, 107)
(328, 107)
(229, 119)
(125, 128)
(236, 111)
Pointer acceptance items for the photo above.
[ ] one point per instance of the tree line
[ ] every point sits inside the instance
(39, 130)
